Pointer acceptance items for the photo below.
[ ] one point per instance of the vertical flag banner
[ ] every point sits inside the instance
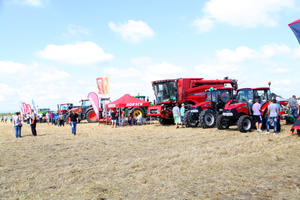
(34, 107)
(28, 108)
(24, 107)
(93, 97)
(103, 85)
(295, 26)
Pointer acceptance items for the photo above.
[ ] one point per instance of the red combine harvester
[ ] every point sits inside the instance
(239, 112)
(190, 91)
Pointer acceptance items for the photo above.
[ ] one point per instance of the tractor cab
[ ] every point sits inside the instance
(64, 108)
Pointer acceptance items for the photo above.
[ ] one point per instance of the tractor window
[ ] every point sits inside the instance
(224, 95)
(86, 104)
(262, 95)
(245, 96)
(212, 96)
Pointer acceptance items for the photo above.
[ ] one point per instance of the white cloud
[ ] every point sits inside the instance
(9, 67)
(281, 70)
(203, 25)
(238, 55)
(80, 53)
(133, 31)
(245, 13)
(218, 70)
(274, 49)
(243, 53)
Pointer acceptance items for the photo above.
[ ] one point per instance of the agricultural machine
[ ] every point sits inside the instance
(215, 101)
(86, 111)
(191, 91)
(240, 113)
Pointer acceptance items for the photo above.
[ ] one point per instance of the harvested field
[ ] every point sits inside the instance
(147, 162)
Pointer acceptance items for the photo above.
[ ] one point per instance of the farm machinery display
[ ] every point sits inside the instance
(206, 113)
(64, 107)
(190, 91)
(239, 112)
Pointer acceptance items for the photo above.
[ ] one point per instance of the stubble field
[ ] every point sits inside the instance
(147, 162)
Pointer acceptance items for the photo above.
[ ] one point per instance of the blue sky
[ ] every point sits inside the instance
(52, 51)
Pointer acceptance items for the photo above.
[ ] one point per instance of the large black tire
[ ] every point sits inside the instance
(89, 116)
(207, 118)
(191, 119)
(222, 123)
(244, 123)
(138, 110)
(164, 121)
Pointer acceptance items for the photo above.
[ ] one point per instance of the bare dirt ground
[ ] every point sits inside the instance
(147, 162)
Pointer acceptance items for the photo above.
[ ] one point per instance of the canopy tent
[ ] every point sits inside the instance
(296, 126)
(127, 101)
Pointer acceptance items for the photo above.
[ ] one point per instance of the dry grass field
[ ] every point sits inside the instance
(147, 162)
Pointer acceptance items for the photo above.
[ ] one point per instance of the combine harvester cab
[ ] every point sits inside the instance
(190, 91)
(239, 112)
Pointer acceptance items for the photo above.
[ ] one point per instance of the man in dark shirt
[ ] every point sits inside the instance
(73, 121)
(33, 123)
(113, 119)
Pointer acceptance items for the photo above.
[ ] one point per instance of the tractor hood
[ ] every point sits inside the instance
(236, 106)
(204, 105)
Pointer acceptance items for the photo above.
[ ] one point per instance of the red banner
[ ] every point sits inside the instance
(102, 84)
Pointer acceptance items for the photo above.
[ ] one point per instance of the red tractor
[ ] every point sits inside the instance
(190, 91)
(239, 112)
(215, 101)
(86, 111)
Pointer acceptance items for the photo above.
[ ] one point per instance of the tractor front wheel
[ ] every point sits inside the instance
(222, 122)
(244, 124)
(137, 111)
(207, 118)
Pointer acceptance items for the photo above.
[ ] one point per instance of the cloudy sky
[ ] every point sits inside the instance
(52, 51)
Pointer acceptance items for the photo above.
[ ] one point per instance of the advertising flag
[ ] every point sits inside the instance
(103, 85)
(93, 97)
(295, 26)
(34, 107)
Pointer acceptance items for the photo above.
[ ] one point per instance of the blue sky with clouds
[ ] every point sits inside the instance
(52, 51)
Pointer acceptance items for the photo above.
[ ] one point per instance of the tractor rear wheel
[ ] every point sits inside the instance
(207, 118)
(91, 116)
(244, 124)
(191, 119)
(222, 122)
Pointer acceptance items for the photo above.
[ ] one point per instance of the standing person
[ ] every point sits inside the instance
(11, 119)
(33, 123)
(61, 120)
(272, 116)
(176, 115)
(47, 118)
(182, 111)
(73, 121)
(256, 108)
(5, 118)
(114, 117)
(293, 105)
(17, 124)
